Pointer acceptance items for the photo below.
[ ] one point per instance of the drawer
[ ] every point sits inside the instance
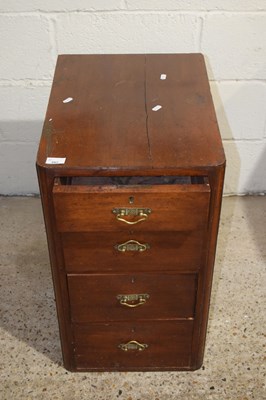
(142, 251)
(109, 208)
(100, 346)
(137, 296)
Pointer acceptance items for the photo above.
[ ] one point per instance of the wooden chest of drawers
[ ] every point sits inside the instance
(131, 168)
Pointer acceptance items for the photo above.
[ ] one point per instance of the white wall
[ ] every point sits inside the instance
(231, 34)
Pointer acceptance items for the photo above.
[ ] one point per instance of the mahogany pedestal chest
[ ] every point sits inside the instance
(131, 168)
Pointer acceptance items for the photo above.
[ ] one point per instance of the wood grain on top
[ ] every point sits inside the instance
(110, 123)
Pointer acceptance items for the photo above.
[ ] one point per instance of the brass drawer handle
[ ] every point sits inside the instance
(133, 345)
(132, 300)
(120, 213)
(132, 245)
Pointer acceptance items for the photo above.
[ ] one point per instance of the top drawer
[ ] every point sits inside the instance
(157, 204)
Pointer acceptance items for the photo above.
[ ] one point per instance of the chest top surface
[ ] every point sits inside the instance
(109, 121)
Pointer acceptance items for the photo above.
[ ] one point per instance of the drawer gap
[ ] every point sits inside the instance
(131, 180)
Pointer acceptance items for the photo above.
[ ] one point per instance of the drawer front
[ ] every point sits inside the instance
(142, 251)
(163, 208)
(165, 345)
(138, 296)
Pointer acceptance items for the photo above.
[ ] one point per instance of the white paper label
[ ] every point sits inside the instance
(163, 77)
(156, 108)
(68, 100)
(55, 160)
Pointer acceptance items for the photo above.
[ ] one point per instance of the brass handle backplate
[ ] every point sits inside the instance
(133, 345)
(132, 300)
(132, 245)
(121, 213)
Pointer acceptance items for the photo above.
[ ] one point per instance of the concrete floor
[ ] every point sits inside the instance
(234, 364)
